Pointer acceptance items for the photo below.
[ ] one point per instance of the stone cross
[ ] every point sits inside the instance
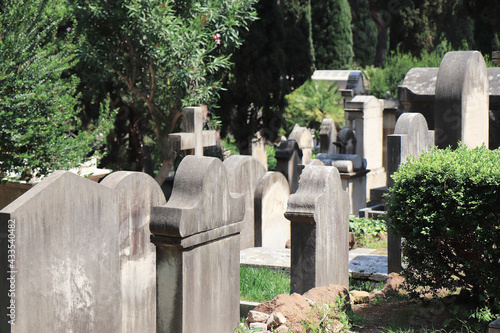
(81, 259)
(194, 138)
(461, 105)
(243, 174)
(319, 216)
(197, 241)
(411, 137)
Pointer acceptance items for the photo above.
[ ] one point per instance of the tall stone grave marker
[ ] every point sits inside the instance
(288, 157)
(194, 138)
(328, 136)
(243, 174)
(258, 148)
(76, 250)
(305, 140)
(319, 215)
(411, 137)
(462, 100)
(364, 115)
(272, 229)
(197, 249)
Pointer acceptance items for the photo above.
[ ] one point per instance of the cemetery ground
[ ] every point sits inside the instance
(374, 306)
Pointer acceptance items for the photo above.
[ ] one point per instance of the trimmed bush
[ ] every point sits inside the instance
(446, 205)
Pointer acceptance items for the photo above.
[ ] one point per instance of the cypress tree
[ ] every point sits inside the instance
(364, 33)
(332, 34)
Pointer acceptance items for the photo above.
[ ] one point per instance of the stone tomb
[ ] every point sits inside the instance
(353, 172)
(364, 115)
(288, 157)
(243, 174)
(305, 141)
(272, 229)
(198, 250)
(194, 138)
(82, 261)
(319, 215)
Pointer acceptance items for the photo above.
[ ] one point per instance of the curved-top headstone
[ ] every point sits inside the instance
(288, 157)
(319, 216)
(244, 172)
(79, 247)
(272, 229)
(196, 234)
(461, 105)
(305, 141)
(138, 194)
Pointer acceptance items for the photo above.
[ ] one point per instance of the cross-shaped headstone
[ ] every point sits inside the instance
(194, 138)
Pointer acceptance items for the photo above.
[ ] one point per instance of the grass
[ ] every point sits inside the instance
(262, 284)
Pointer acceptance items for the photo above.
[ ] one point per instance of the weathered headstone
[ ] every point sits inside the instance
(243, 174)
(411, 137)
(194, 138)
(461, 105)
(364, 115)
(196, 235)
(305, 141)
(272, 229)
(259, 149)
(76, 249)
(137, 194)
(319, 215)
(288, 157)
(494, 326)
(352, 169)
(418, 92)
(328, 136)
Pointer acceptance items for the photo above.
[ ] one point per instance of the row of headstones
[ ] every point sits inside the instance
(115, 257)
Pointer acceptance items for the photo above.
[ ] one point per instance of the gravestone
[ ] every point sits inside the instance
(194, 138)
(328, 136)
(352, 169)
(319, 216)
(272, 229)
(305, 141)
(288, 157)
(81, 261)
(346, 141)
(461, 104)
(243, 174)
(364, 115)
(411, 137)
(258, 149)
(196, 235)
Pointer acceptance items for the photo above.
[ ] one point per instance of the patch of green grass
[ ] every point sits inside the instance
(365, 285)
(262, 284)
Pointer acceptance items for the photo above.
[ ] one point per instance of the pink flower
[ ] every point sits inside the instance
(216, 38)
(68, 29)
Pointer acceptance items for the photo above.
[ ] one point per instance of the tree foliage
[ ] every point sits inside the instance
(275, 58)
(168, 55)
(313, 102)
(41, 129)
(364, 33)
(332, 34)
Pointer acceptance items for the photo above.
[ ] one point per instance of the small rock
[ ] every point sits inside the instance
(257, 317)
(281, 329)
(258, 325)
(288, 244)
(393, 283)
(276, 319)
(360, 297)
(376, 294)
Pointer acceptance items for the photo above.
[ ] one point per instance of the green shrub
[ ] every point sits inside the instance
(446, 205)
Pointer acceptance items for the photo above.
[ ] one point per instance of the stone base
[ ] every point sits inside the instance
(375, 178)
